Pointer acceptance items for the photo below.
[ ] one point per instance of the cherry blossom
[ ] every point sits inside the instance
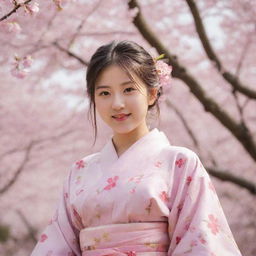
(32, 8)
(11, 27)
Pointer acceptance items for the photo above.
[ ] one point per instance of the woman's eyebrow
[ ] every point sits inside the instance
(106, 86)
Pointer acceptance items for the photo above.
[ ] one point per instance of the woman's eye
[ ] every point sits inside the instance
(104, 93)
(129, 89)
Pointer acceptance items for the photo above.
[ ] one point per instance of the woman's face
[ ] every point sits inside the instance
(120, 103)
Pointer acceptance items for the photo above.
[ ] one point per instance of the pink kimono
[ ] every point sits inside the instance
(155, 199)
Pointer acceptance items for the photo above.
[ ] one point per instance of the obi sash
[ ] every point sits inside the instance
(140, 239)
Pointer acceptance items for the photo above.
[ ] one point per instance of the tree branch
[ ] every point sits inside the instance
(215, 172)
(26, 158)
(70, 53)
(226, 176)
(31, 230)
(237, 129)
(232, 79)
(186, 126)
(72, 40)
(17, 173)
(17, 6)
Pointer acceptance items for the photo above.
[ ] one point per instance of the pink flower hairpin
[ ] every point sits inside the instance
(163, 71)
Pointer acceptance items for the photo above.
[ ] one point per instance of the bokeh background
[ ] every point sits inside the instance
(210, 107)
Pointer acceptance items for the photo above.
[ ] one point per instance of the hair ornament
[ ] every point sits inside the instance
(164, 71)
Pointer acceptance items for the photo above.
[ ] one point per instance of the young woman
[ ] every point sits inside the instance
(139, 195)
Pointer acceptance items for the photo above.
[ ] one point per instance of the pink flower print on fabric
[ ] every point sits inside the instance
(189, 179)
(131, 253)
(164, 196)
(187, 226)
(43, 238)
(132, 191)
(136, 179)
(80, 164)
(179, 208)
(213, 224)
(79, 191)
(180, 162)
(158, 164)
(193, 243)
(78, 180)
(202, 239)
(178, 238)
(192, 229)
(54, 218)
(112, 183)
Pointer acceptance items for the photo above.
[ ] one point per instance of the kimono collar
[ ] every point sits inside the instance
(153, 140)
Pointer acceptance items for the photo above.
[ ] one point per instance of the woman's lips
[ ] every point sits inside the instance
(121, 117)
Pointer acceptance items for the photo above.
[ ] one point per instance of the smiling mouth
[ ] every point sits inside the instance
(121, 117)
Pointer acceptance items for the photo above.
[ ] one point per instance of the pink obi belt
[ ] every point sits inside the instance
(141, 239)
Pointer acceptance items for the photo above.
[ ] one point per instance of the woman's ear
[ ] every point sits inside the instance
(152, 95)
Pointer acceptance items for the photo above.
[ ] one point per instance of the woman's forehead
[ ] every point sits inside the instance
(115, 75)
(112, 72)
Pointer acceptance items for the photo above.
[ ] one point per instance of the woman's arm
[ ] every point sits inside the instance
(60, 237)
(197, 224)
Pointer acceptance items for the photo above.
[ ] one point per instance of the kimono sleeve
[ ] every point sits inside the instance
(60, 237)
(197, 224)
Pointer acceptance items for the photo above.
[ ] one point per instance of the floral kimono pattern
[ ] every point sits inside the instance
(154, 199)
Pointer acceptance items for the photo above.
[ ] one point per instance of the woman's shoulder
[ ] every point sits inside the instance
(180, 157)
(181, 151)
(86, 161)
(185, 159)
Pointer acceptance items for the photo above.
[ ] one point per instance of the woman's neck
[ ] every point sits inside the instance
(123, 141)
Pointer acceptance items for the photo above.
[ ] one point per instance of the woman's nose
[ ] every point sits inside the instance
(118, 102)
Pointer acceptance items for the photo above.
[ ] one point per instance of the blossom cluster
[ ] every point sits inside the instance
(164, 73)
(12, 26)
(31, 8)
(21, 65)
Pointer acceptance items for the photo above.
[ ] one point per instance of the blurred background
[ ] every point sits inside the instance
(209, 108)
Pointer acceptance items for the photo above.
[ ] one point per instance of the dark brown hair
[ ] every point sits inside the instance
(132, 58)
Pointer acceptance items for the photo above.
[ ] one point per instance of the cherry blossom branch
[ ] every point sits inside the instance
(31, 230)
(28, 150)
(222, 175)
(243, 54)
(185, 124)
(17, 6)
(227, 176)
(19, 170)
(213, 57)
(56, 44)
(232, 79)
(82, 23)
(240, 132)
(235, 92)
